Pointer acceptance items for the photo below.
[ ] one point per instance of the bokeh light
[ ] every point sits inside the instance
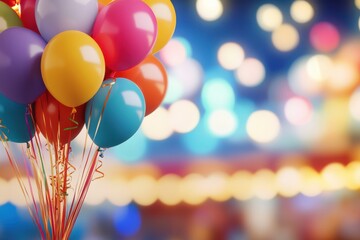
(353, 175)
(288, 181)
(285, 38)
(230, 55)
(127, 220)
(209, 10)
(119, 195)
(312, 183)
(324, 37)
(222, 123)
(4, 187)
(264, 184)
(169, 189)
(174, 52)
(217, 186)
(319, 67)
(354, 104)
(189, 75)
(15, 196)
(157, 125)
(298, 111)
(250, 73)
(300, 81)
(143, 190)
(192, 189)
(97, 192)
(334, 175)
(240, 185)
(344, 76)
(263, 126)
(184, 116)
(301, 11)
(217, 94)
(269, 17)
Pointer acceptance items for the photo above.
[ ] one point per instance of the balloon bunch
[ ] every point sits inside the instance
(69, 63)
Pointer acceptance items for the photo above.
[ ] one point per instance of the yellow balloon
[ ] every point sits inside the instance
(166, 21)
(104, 2)
(72, 67)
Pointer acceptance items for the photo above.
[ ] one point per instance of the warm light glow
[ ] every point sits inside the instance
(240, 185)
(119, 195)
(230, 55)
(16, 196)
(169, 189)
(222, 123)
(218, 94)
(4, 188)
(344, 76)
(173, 53)
(334, 176)
(354, 104)
(263, 126)
(301, 11)
(324, 37)
(184, 116)
(357, 3)
(285, 38)
(192, 189)
(288, 182)
(353, 175)
(269, 17)
(97, 192)
(209, 10)
(157, 125)
(264, 184)
(319, 67)
(312, 184)
(298, 111)
(300, 81)
(250, 73)
(143, 190)
(218, 188)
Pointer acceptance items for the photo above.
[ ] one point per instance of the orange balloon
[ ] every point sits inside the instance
(151, 77)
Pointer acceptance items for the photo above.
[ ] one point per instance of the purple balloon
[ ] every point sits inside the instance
(20, 57)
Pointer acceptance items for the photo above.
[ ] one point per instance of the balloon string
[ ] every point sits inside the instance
(99, 173)
(3, 136)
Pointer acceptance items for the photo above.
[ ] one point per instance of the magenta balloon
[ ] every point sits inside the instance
(20, 56)
(126, 32)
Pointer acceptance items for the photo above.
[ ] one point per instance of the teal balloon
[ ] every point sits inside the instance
(16, 122)
(115, 113)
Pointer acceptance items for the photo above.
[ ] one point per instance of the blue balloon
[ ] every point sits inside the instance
(16, 122)
(115, 113)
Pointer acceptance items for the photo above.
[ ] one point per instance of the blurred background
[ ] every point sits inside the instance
(257, 138)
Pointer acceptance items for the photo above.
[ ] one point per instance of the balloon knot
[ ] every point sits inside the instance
(101, 152)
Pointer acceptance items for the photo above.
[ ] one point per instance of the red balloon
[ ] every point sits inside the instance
(151, 77)
(11, 3)
(28, 14)
(57, 122)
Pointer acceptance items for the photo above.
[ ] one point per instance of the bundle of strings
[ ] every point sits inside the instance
(53, 179)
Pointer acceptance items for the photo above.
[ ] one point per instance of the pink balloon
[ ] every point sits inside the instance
(126, 32)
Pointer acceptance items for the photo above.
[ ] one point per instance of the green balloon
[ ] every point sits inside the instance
(8, 17)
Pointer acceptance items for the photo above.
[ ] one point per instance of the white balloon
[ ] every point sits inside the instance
(55, 16)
